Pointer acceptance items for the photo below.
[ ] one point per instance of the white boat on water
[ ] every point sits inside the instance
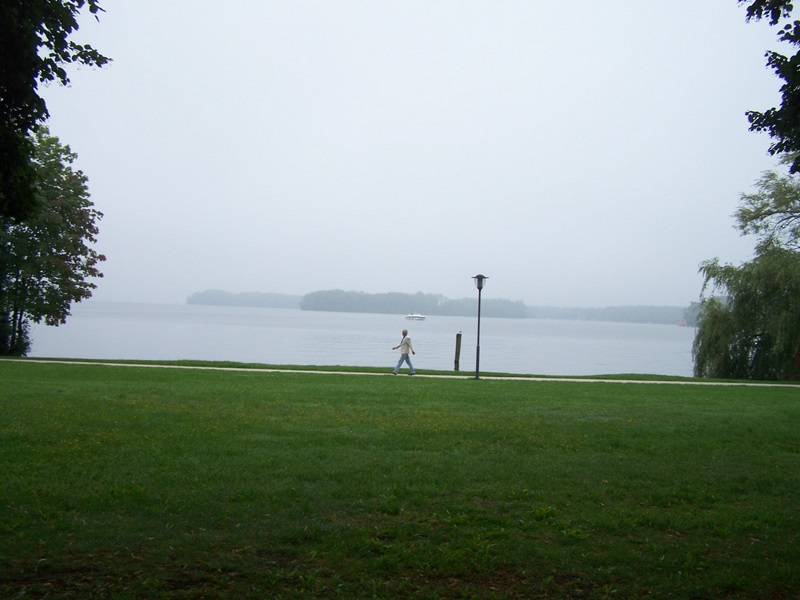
(415, 317)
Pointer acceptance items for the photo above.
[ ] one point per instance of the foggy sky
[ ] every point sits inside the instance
(583, 156)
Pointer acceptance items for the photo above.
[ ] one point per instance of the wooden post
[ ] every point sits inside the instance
(458, 349)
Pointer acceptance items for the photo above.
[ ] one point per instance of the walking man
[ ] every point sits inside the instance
(405, 347)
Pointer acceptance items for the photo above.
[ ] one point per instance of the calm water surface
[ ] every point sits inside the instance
(103, 330)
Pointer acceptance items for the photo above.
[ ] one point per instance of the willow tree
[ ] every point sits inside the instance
(47, 261)
(749, 322)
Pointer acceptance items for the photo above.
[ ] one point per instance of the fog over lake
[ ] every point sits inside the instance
(581, 154)
(109, 330)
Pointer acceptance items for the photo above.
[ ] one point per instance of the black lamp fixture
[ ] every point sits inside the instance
(480, 280)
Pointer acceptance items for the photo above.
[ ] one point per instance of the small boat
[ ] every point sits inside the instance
(415, 317)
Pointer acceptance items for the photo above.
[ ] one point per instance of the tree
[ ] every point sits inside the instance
(781, 123)
(34, 48)
(46, 260)
(773, 10)
(773, 211)
(751, 330)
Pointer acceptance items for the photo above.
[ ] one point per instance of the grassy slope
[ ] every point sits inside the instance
(148, 482)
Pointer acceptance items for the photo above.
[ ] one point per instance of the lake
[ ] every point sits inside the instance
(107, 330)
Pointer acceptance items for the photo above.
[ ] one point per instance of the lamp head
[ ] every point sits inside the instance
(479, 281)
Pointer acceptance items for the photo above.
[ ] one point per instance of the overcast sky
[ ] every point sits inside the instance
(579, 154)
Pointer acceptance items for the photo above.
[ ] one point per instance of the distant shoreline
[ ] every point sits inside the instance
(434, 304)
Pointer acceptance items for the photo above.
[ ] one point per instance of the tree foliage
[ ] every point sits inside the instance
(773, 211)
(46, 260)
(773, 10)
(35, 48)
(753, 331)
(751, 328)
(781, 123)
(401, 303)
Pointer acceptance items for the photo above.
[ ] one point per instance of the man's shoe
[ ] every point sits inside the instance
(393, 373)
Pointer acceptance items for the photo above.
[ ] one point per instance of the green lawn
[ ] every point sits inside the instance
(167, 483)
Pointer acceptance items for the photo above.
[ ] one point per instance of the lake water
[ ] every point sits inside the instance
(103, 330)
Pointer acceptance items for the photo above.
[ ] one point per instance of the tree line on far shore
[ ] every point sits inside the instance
(436, 304)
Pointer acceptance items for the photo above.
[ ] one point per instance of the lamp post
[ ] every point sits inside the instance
(479, 281)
